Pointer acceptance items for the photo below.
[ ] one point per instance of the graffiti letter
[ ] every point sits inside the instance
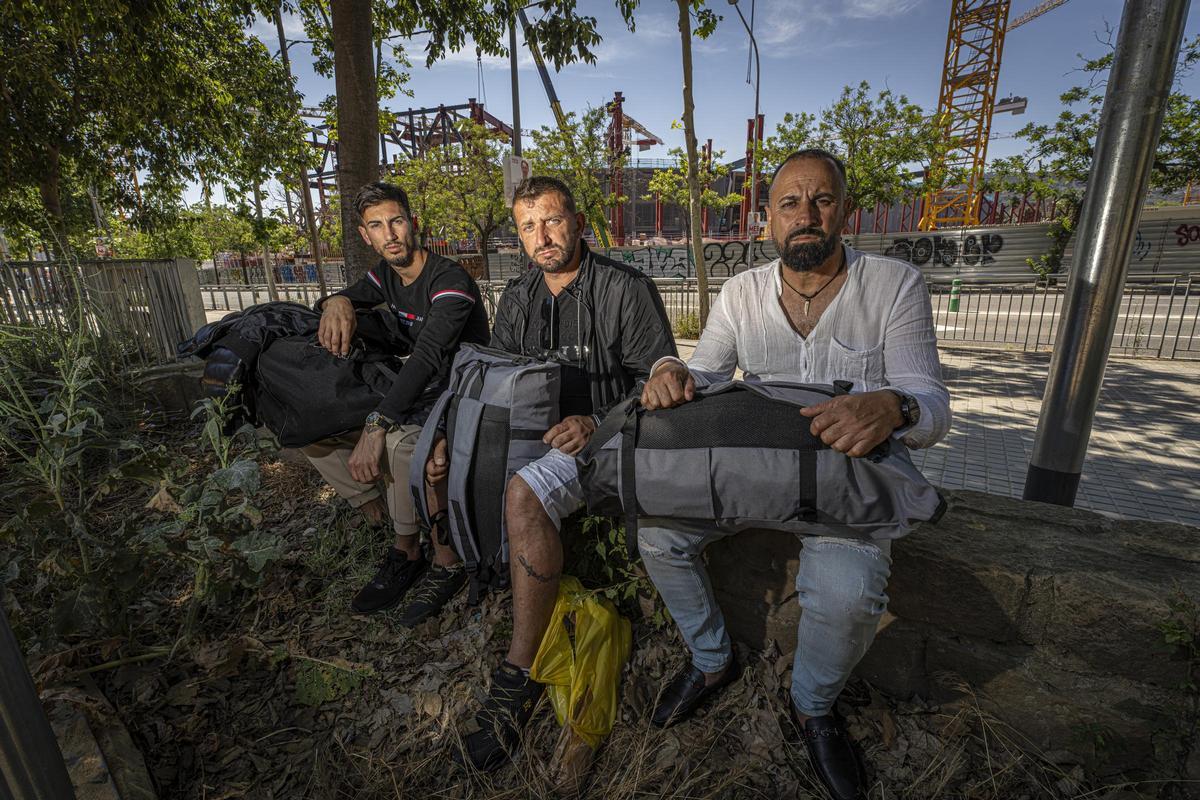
(922, 250)
(945, 250)
(971, 251)
(992, 243)
(900, 248)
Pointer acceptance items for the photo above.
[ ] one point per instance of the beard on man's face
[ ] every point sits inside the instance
(804, 256)
(559, 258)
(404, 256)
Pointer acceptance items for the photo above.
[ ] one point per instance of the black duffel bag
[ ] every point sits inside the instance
(740, 455)
(303, 393)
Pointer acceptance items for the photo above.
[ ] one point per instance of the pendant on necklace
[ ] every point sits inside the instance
(806, 302)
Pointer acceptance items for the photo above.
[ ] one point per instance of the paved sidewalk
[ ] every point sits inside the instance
(1143, 459)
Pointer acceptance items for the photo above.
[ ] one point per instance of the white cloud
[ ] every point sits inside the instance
(874, 9)
(466, 56)
(654, 26)
(266, 31)
(783, 27)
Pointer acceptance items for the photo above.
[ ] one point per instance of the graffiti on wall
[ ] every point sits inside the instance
(1141, 247)
(724, 259)
(657, 262)
(974, 250)
(1186, 234)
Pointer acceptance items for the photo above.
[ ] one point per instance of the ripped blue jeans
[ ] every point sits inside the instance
(841, 586)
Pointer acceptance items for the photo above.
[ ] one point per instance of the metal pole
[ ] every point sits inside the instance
(1130, 123)
(752, 167)
(516, 87)
(310, 219)
(31, 765)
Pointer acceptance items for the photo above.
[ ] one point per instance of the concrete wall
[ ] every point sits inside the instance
(1049, 613)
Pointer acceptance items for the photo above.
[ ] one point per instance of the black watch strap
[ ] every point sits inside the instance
(909, 410)
(377, 420)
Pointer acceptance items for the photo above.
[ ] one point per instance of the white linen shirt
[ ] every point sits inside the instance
(877, 333)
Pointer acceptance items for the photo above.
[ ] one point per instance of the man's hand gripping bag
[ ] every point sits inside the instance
(741, 455)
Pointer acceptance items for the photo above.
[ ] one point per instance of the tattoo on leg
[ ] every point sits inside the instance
(531, 572)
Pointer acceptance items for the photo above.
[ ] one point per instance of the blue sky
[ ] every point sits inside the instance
(809, 51)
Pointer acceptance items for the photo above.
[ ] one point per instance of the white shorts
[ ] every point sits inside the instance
(554, 478)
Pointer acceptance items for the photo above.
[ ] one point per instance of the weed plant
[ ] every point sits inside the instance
(69, 437)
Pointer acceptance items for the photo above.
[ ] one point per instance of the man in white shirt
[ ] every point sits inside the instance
(822, 312)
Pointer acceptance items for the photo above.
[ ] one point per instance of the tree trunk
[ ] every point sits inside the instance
(486, 275)
(358, 122)
(693, 176)
(50, 189)
(310, 221)
(268, 266)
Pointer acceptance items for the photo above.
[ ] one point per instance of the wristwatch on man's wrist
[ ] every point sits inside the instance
(377, 420)
(909, 409)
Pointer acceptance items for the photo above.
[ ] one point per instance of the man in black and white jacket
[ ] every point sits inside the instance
(605, 324)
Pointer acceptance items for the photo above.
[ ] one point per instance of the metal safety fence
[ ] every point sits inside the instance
(143, 302)
(1158, 317)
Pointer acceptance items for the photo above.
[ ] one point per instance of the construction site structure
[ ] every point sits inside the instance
(623, 134)
(412, 134)
(754, 140)
(966, 102)
(974, 45)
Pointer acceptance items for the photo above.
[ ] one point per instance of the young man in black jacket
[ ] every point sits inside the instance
(436, 305)
(606, 324)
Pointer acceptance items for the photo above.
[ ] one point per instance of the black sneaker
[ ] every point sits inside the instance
(431, 593)
(396, 574)
(492, 737)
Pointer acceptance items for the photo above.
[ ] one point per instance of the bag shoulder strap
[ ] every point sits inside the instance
(421, 453)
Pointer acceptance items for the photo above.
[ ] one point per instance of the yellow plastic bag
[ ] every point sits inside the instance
(583, 680)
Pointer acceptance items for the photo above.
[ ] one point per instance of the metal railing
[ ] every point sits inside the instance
(142, 301)
(1159, 318)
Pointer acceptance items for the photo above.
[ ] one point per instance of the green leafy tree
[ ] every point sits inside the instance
(102, 88)
(425, 181)
(578, 155)
(1058, 155)
(884, 140)
(477, 191)
(457, 190)
(563, 35)
(671, 185)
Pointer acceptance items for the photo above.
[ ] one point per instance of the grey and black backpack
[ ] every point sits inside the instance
(741, 455)
(494, 413)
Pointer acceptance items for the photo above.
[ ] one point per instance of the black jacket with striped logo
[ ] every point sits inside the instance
(436, 312)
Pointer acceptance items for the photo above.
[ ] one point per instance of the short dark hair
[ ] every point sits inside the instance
(380, 192)
(535, 186)
(813, 152)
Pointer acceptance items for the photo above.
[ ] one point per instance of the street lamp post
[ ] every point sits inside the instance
(752, 167)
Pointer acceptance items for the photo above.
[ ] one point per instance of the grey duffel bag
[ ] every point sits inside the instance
(494, 413)
(741, 455)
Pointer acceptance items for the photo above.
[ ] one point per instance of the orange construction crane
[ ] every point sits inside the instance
(966, 102)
